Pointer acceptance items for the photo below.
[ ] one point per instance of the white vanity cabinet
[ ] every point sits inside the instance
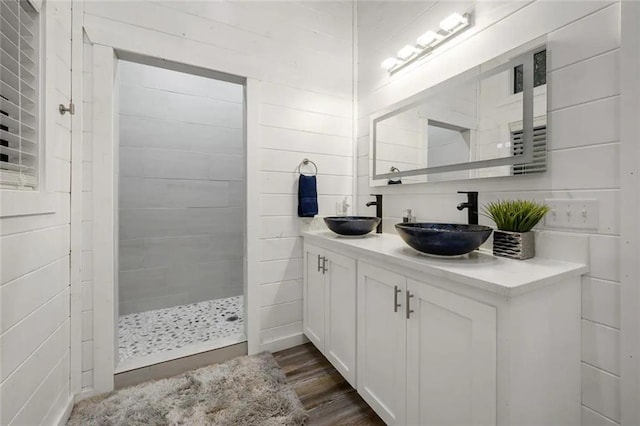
(329, 307)
(382, 342)
(477, 340)
(451, 358)
(313, 295)
(425, 356)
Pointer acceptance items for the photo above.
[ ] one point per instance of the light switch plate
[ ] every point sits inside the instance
(572, 213)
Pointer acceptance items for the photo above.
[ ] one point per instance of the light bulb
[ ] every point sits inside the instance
(407, 51)
(452, 21)
(389, 63)
(428, 38)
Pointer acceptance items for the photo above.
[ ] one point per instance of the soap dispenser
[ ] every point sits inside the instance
(342, 207)
(408, 218)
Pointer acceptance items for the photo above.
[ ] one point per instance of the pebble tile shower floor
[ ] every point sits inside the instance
(161, 330)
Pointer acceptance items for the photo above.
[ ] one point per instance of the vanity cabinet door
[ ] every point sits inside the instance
(451, 358)
(340, 315)
(382, 342)
(313, 295)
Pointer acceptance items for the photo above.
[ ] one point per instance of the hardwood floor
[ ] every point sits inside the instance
(327, 397)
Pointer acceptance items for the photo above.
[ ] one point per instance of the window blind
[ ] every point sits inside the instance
(539, 162)
(18, 95)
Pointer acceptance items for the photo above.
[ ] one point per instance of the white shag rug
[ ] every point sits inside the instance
(249, 390)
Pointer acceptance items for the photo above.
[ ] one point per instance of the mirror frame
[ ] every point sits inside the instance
(525, 59)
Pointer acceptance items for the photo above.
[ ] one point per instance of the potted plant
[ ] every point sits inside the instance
(515, 219)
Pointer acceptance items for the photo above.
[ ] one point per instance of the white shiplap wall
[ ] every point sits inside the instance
(35, 261)
(300, 53)
(583, 47)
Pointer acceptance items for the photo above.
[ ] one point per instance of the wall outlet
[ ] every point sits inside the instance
(572, 213)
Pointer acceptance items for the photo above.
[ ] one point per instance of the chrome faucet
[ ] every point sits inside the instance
(378, 204)
(471, 205)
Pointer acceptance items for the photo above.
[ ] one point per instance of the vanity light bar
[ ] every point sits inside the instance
(450, 26)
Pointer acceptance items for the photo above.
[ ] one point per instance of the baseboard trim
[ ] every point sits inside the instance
(66, 413)
(284, 343)
(86, 393)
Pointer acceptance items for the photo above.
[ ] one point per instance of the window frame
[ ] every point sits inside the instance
(11, 172)
(42, 199)
(515, 70)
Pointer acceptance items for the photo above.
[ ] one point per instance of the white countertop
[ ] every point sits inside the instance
(479, 269)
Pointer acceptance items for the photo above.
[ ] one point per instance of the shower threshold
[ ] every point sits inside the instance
(151, 337)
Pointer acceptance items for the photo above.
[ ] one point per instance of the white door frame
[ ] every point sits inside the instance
(104, 218)
(105, 196)
(75, 273)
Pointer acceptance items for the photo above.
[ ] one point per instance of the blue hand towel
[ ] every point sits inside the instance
(307, 196)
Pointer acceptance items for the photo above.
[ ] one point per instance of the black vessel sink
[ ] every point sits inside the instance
(443, 239)
(352, 225)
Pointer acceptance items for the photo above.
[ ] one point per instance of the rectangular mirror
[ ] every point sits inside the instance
(489, 121)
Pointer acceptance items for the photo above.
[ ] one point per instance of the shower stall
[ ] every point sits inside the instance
(181, 210)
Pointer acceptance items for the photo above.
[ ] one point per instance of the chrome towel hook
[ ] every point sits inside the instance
(305, 162)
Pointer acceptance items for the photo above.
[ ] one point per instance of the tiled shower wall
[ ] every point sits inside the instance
(583, 42)
(181, 188)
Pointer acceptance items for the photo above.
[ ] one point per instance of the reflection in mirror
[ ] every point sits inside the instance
(467, 126)
(447, 144)
(395, 181)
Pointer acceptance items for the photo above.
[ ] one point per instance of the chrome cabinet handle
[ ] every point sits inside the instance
(396, 305)
(324, 265)
(409, 310)
(319, 267)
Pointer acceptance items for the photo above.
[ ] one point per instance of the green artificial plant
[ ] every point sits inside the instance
(515, 215)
